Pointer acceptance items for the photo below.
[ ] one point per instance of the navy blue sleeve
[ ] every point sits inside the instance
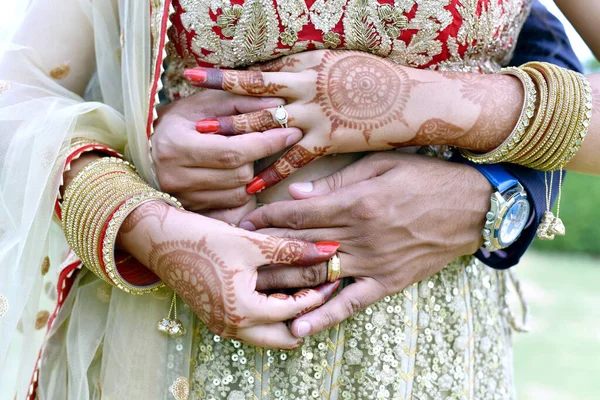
(543, 38)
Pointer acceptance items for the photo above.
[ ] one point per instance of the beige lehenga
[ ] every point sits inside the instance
(448, 337)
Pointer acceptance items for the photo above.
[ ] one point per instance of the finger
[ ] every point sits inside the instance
(321, 212)
(214, 199)
(221, 152)
(349, 301)
(222, 104)
(271, 336)
(194, 179)
(281, 307)
(277, 277)
(362, 170)
(258, 121)
(276, 250)
(248, 83)
(232, 215)
(293, 159)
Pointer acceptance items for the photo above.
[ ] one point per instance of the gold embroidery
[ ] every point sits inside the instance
(45, 265)
(41, 319)
(293, 15)
(3, 305)
(60, 72)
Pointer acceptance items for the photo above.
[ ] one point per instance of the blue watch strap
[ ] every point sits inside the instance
(497, 175)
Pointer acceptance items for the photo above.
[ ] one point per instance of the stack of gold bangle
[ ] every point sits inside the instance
(549, 131)
(95, 204)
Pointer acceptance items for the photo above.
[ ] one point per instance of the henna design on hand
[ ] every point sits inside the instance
(431, 132)
(156, 209)
(202, 280)
(360, 91)
(276, 65)
(488, 92)
(252, 82)
(288, 251)
(295, 158)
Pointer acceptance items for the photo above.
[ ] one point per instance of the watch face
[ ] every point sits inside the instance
(513, 222)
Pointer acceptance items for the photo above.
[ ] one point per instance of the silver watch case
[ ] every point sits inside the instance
(501, 203)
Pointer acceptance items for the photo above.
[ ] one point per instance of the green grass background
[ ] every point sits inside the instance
(560, 357)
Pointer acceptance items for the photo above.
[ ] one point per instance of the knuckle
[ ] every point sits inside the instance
(312, 276)
(244, 174)
(297, 219)
(239, 197)
(366, 208)
(353, 305)
(328, 320)
(231, 158)
(334, 181)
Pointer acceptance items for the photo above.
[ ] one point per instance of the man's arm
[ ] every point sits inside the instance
(543, 38)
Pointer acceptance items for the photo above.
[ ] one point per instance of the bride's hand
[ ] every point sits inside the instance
(213, 267)
(208, 172)
(343, 101)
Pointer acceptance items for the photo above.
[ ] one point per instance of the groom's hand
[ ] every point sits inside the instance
(399, 218)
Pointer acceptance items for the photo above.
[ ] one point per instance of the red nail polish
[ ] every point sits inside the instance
(327, 247)
(328, 289)
(207, 126)
(195, 75)
(255, 186)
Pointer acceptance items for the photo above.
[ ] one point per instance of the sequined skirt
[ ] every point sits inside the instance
(447, 337)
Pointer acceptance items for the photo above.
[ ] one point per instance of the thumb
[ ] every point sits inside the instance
(359, 171)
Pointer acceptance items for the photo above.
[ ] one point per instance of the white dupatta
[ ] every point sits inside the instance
(102, 343)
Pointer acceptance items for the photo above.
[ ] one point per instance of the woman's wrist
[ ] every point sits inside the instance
(467, 110)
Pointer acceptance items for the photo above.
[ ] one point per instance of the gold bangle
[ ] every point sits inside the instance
(553, 140)
(522, 149)
(527, 112)
(113, 226)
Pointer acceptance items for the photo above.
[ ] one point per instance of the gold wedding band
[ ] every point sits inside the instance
(281, 116)
(334, 268)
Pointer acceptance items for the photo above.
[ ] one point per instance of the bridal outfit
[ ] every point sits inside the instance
(448, 337)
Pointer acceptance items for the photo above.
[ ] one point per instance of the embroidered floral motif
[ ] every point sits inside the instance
(471, 35)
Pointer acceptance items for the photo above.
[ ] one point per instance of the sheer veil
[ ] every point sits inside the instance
(107, 339)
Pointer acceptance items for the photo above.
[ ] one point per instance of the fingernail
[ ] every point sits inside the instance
(293, 138)
(303, 328)
(255, 186)
(247, 225)
(327, 247)
(195, 75)
(207, 126)
(328, 289)
(305, 187)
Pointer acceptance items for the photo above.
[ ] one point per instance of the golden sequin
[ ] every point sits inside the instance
(60, 72)
(180, 388)
(41, 319)
(45, 265)
(3, 305)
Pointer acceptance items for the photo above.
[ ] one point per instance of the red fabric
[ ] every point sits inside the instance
(309, 32)
(130, 269)
(63, 287)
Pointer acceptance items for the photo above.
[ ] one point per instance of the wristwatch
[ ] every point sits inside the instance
(509, 211)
